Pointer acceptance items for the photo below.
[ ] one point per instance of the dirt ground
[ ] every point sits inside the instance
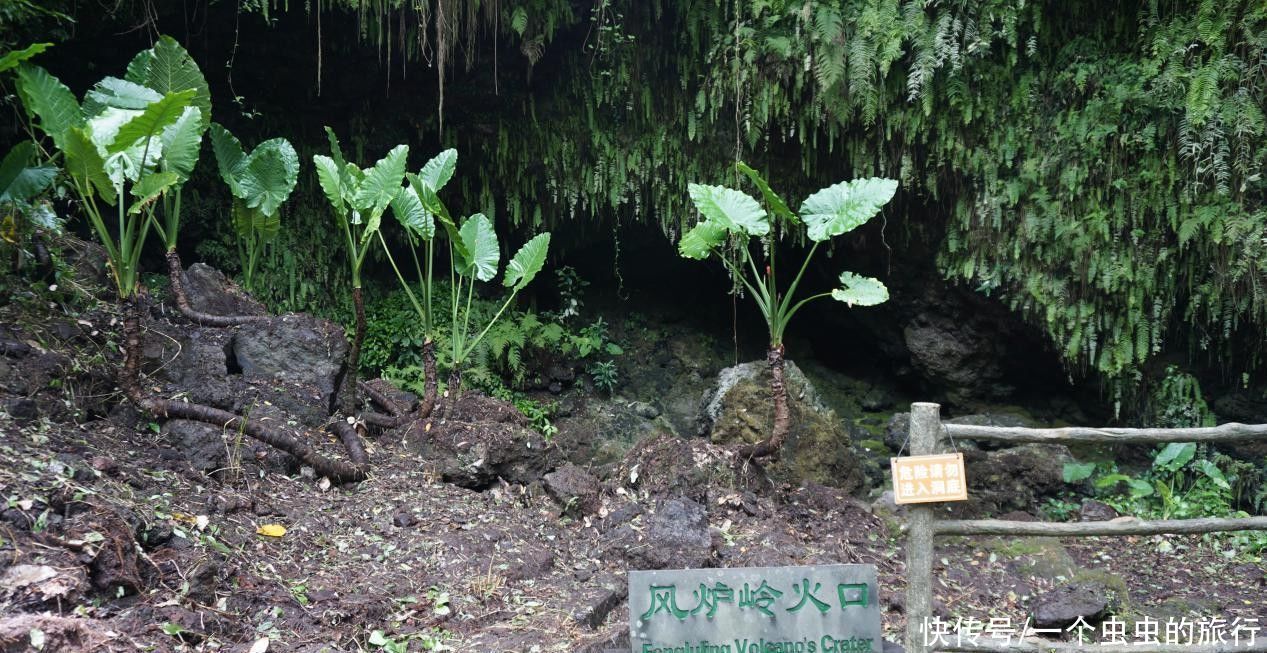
(111, 541)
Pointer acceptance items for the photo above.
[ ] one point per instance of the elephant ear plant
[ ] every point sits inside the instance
(477, 260)
(419, 224)
(167, 68)
(731, 215)
(126, 150)
(474, 255)
(359, 199)
(260, 182)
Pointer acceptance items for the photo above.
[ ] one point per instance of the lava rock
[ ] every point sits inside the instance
(1063, 606)
(474, 455)
(818, 446)
(211, 292)
(1017, 478)
(201, 444)
(574, 488)
(676, 537)
(644, 410)
(22, 408)
(597, 600)
(198, 363)
(1093, 510)
(296, 347)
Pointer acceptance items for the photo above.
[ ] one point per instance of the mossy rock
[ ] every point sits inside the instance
(818, 448)
(1037, 557)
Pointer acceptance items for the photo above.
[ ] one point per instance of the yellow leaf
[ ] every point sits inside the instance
(271, 530)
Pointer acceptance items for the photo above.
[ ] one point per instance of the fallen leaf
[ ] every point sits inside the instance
(22, 575)
(271, 530)
(260, 645)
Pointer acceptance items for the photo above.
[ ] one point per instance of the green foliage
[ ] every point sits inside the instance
(1184, 481)
(1177, 402)
(126, 139)
(605, 375)
(1100, 168)
(26, 208)
(833, 211)
(359, 197)
(260, 182)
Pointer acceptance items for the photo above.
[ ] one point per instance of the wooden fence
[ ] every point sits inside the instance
(926, 430)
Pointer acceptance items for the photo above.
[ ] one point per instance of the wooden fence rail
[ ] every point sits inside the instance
(927, 431)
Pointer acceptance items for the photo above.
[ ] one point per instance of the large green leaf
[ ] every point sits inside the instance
(845, 206)
(439, 170)
(701, 239)
(120, 94)
(480, 242)
(150, 188)
(331, 183)
(732, 209)
(49, 103)
(1175, 455)
(182, 141)
(85, 164)
(11, 59)
(860, 291)
(336, 152)
(412, 215)
(772, 199)
(167, 67)
(382, 182)
(527, 262)
(432, 203)
(152, 121)
(253, 222)
(20, 182)
(269, 175)
(229, 156)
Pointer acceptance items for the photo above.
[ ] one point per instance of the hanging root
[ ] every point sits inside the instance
(338, 471)
(782, 420)
(175, 273)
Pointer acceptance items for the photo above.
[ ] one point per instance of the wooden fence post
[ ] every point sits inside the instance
(924, 431)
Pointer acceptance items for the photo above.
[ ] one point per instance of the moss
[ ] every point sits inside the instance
(818, 448)
(1119, 594)
(875, 446)
(1039, 557)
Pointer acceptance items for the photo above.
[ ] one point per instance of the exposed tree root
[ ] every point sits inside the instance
(386, 403)
(130, 380)
(782, 420)
(348, 398)
(397, 416)
(175, 273)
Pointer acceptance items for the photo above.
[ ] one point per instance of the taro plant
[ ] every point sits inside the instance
(126, 150)
(477, 260)
(23, 214)
(359, 198)
(162, 69)
(474, 255)
(260, 182)
(419, 225)
(732, 216)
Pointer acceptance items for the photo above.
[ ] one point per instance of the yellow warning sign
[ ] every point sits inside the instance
(928, 479)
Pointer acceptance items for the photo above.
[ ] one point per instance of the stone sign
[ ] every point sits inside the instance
(818, 609)
(926, 479)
